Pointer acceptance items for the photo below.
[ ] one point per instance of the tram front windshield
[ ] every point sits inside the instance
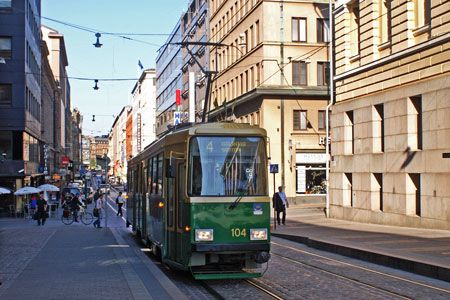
(227, 166)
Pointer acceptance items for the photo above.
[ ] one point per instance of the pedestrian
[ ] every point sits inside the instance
(120, 201)
(99, 207)
(82, 199)
(280, 203)
(97, 195)
(33, 204)
(41, 209)
(75, 206)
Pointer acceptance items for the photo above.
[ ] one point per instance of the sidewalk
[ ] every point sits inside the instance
(421, 251)
(77, 261)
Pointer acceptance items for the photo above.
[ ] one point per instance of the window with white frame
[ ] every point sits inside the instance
(299, 29)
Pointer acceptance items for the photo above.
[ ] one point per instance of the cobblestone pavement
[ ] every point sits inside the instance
(299, 272)
(18, 246)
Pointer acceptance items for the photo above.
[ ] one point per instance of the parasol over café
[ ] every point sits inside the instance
(27, 190)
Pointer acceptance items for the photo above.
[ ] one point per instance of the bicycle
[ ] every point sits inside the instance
(86, 217)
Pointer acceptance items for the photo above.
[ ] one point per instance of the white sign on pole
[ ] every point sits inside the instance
(176, 117)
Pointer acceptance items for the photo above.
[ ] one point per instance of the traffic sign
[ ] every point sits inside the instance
(273, 168)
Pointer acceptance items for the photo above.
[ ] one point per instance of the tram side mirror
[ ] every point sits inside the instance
(171, 167)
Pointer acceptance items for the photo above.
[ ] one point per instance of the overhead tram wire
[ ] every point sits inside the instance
(92, 30)
(85, 78)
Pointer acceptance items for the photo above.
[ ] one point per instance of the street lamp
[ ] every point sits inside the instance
(97, 43)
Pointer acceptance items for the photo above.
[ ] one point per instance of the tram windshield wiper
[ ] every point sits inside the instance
(239, 198)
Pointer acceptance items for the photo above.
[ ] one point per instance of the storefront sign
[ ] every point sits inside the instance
(311, 158)
(65, 160)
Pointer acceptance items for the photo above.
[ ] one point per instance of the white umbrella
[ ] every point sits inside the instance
(27, 190)
(4, 191)
(48, 188)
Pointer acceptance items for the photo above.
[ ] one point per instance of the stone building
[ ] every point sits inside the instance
(390, 123)
(272, 71)
(144, 111)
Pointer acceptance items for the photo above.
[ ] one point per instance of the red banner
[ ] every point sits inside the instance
(178, 97)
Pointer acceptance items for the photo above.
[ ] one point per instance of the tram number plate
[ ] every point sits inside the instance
(238, 232)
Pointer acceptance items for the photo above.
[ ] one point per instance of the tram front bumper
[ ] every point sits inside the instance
(236, 247)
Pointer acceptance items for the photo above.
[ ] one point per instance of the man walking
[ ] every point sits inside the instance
(41, 209)
(120, 202)
(280, 202)
(99, 207)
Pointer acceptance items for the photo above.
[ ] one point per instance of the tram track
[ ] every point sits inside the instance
(343, 277)
(360, 268)
(264, 290)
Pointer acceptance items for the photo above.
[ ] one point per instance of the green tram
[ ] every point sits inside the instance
(198, 197)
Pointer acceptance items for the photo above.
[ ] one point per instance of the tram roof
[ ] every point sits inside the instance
(210, 128)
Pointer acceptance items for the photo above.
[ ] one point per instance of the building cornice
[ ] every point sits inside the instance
(304, 93)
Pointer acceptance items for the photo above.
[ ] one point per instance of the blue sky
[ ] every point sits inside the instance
(118, 58)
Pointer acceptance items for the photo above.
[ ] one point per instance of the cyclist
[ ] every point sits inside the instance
(67, 200)
(75, 206)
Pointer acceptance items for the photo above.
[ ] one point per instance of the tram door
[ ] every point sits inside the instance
(179, 211)
(174, 220)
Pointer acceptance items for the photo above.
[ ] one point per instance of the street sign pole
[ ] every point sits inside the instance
(274, 209)
(274, 170)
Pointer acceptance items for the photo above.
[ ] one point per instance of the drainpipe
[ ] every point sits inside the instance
(331, 84)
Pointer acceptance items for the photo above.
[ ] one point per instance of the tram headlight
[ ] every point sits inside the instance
(258, 234)
(204, 235)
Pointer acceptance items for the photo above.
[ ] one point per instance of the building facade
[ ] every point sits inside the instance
(168, 80)
(58, 63)
(275, 76)
(194, 28)
(118, 140)
(99, 146)
(390, 122)
(144, 111)
(76, 142)
(50, 115)
(20, 97)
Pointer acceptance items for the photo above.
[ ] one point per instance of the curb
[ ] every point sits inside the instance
(429, 269)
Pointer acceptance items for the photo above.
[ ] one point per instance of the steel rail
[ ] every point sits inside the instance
(264, 290)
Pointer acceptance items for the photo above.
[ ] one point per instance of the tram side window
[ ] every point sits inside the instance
(160, 173)
(135, 173)
(155, 175)
(144, 176)
(149, 179)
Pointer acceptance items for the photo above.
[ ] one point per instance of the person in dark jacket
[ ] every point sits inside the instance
(41, 209)
(75, 206)
(280, 202)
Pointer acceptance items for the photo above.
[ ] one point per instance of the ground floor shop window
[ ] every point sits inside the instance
(311, 179)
